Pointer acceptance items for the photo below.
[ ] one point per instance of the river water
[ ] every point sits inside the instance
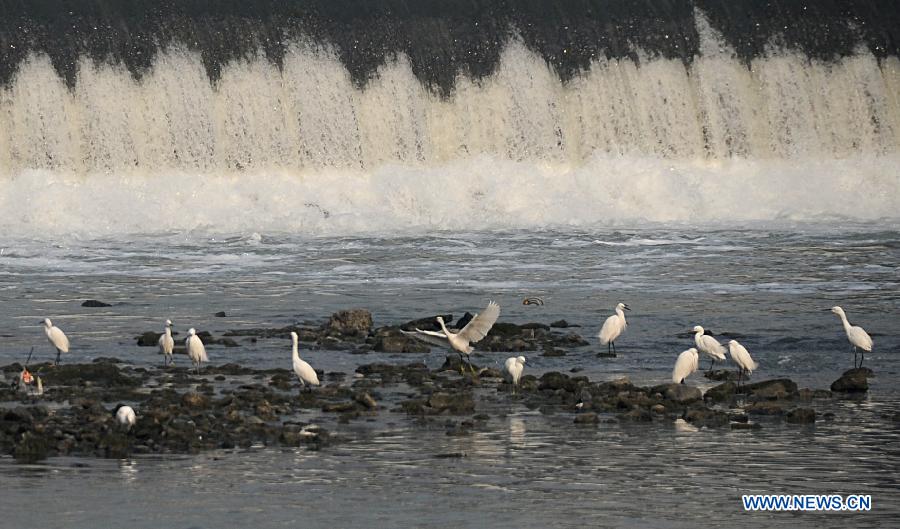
(772, 287)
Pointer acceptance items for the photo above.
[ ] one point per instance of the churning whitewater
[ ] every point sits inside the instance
(303, 148)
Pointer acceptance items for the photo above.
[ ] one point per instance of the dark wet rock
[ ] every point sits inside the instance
(466, 318)
(721, 393)
(706, 417)
(453, 363)
(779, 388)
(636, 415)
(587, 418)
(767, 407)
(658, 409)
(801, 416)
(106, 360)
(390, 340)
(31, 447)
(220, 314)
(354, 322)
(739, 417)
(745, 426)
(551, 351)
(195, 400)
(427, 324)
(149, 339)
(504, 330)
(721, 374)
(339, 407)
(101, 374)
(679, 393)
(456, 404)
(449, 455)
(553, 380)
(807, 394)
(366, 400)
(606, 354)
(852, 381)
(93, 303)
(561, 324)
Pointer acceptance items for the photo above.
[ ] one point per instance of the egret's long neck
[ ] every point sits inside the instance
(169, 332)
(294, 352)
(844, 321)
(444, 328)
(621, 314)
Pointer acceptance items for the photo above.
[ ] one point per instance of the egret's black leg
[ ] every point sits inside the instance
(57, 356)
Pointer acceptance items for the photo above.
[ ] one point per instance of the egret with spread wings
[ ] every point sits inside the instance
(461, 341)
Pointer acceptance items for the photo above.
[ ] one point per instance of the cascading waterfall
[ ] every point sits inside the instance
(301, 146)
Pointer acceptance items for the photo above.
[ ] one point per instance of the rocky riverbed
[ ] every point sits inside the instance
(232, 406)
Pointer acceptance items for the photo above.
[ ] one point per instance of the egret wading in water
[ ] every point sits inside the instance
(612, 328)
(167, 344)
(125, 417)
(57, 338)
(514, 366)
(708, 346)
(687, 363)
(742, 358)
(304, 371)
(195, 349)
(460, 341)
(860, 340)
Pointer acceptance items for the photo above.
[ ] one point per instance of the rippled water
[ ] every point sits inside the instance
(525, 469)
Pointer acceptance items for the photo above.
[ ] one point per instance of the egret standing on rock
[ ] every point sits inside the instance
(167, 343)
(57, 338)
(708, 346)
(304, 371)
(195, 349)
(742, 358)
(612, 328)
(125, 416)
(687, 363)
(859, 338)
(460, 341)
(515, 365)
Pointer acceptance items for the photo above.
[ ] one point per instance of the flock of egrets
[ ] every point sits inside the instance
(474, 331)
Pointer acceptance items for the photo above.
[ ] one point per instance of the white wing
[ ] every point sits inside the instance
(58, 339)
(430, 337)
(611, 330)
(196, 350)
(860, 338)
(305, 372)
(166, 344)
(686, 364)
(712, 347)
(741, 356)
(481, 324)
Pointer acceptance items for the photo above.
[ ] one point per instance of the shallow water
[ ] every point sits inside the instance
(773, 287)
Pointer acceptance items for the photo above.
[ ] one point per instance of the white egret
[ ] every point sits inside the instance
(708, 346)
(167, 343)
(57, 338)
(125, 416)
(687, 363)
(515, 365)
(859, 338)
(742, 358)
(613, 328)
(460, 341)
(195, 349)
(304, 371)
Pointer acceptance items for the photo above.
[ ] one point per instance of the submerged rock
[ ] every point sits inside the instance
(587, 418)
(801, 416)
(93, 303)
(853, 381)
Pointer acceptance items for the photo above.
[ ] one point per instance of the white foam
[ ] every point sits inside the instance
(303, 150)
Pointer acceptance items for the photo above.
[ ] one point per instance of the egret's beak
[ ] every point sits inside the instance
(626, 307)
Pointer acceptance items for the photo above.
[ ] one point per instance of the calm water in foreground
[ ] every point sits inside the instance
(526, 469)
